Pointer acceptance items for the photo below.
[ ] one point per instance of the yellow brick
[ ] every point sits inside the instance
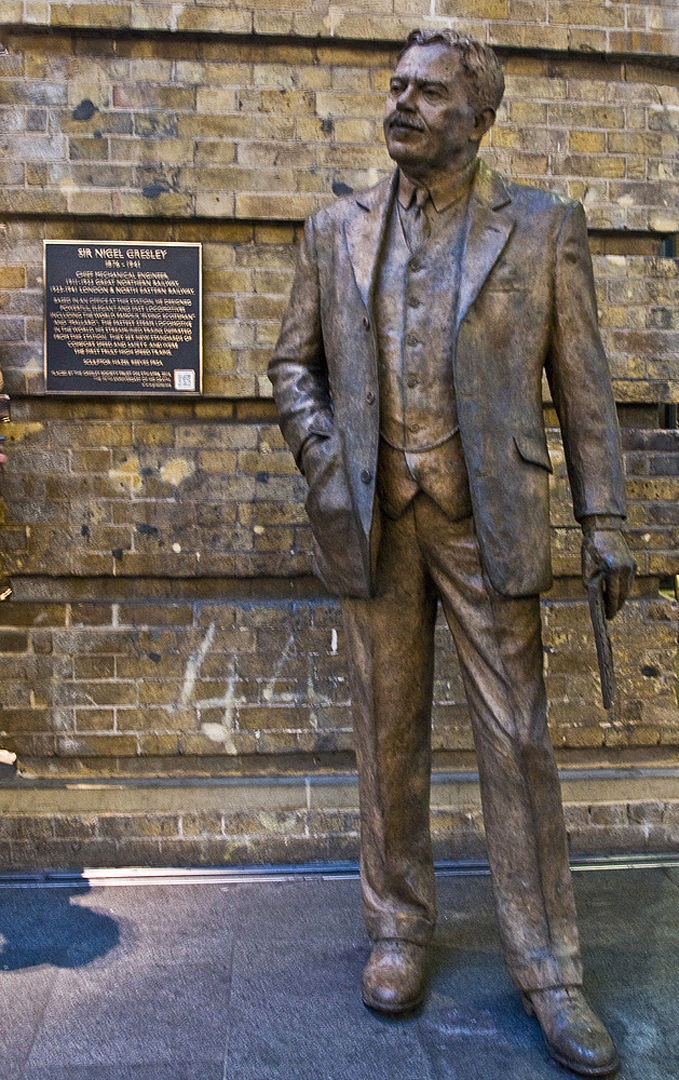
(581, 40)
(213, 205)
(528, 113)
(269, 22)
(332, 105)
(209, 100)
(274, 234)
(636, 168)
(222, 20)
(213, 152)
(635, 143)
(546, 37)
(586, 14)
(294, 102)
(230, 386)
(218, 308)
(473, 9)
(104, 15)
(508, 35)
(279, 76)
(35, 12)
(311, 182)
(315, 78)
(532, 11)
(12, 277)
(356, 131)
(589, 165)
(528, 164)
(285, 207)
(151, 151)
(532, 88)
(350, 78)
(502, 137)
(229, 281)
(587, 142)
(216, 126)
(168, 204)
(152, 17)
(217, 461)
(90, 202)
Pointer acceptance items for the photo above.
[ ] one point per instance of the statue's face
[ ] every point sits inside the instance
(429, 122)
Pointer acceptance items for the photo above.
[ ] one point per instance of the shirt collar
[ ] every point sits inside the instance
(445, 190)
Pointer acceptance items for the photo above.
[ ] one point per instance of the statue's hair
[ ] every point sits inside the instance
(480, 64)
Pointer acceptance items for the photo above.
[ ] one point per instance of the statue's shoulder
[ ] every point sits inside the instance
(531, 200)
(352, 204)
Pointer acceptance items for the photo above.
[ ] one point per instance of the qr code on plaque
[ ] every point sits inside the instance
(184, 380)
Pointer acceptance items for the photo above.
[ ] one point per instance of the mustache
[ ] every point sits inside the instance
(399, 120)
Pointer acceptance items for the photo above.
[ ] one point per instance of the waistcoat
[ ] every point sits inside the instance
(415, 309)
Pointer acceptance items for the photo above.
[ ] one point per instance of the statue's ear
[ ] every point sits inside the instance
(483, 123)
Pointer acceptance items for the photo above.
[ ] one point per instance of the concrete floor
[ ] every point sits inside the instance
(259, 981)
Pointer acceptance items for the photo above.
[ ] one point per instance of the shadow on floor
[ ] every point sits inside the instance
(43, 926)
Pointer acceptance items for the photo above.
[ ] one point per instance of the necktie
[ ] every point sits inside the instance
(419, 224)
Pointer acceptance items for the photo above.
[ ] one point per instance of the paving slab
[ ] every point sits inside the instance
(260, 981)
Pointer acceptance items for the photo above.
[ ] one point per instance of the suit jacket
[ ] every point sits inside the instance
(526, 304)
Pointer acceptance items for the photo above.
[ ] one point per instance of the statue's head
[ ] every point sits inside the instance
(442, 99)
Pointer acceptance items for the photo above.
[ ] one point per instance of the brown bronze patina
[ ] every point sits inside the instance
(408, 380)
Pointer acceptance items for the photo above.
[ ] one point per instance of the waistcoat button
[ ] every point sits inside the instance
(366, 476)
(370, 397)
(412, 340)
(411, 381)
(366, 322)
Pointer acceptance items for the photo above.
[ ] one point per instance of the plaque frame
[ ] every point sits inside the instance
(150, 393)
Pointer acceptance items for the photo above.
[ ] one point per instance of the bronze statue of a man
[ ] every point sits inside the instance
(408, 382)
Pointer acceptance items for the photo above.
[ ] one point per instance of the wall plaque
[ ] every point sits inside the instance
(122, 317)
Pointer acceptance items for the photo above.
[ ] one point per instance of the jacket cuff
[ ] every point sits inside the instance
(320, 427)
(602, 523)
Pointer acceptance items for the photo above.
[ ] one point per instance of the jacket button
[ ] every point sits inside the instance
(366, 322)
(414, 428)
(370, 397)
(366, 476)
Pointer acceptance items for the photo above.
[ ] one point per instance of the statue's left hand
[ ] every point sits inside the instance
(605, 551)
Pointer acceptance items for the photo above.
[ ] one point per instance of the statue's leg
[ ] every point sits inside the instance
(499, 645)
(390, 643)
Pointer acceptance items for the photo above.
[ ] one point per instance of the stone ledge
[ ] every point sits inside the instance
(301, 819)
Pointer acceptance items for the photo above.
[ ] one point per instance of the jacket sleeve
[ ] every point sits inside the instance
(298, 369)
(579, 379)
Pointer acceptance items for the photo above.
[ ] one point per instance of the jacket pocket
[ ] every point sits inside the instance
(330, 510)
(533, 448)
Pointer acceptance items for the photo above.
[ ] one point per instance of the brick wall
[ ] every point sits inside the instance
(163, 619)
(557, 25)
(268, 131)
(248, 271)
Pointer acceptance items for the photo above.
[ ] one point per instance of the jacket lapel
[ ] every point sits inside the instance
(489, 228)
(365, 232)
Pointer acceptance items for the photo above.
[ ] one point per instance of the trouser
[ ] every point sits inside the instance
(424, 556)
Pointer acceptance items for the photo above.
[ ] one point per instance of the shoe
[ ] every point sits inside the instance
(574, 1034)
(394, 979)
